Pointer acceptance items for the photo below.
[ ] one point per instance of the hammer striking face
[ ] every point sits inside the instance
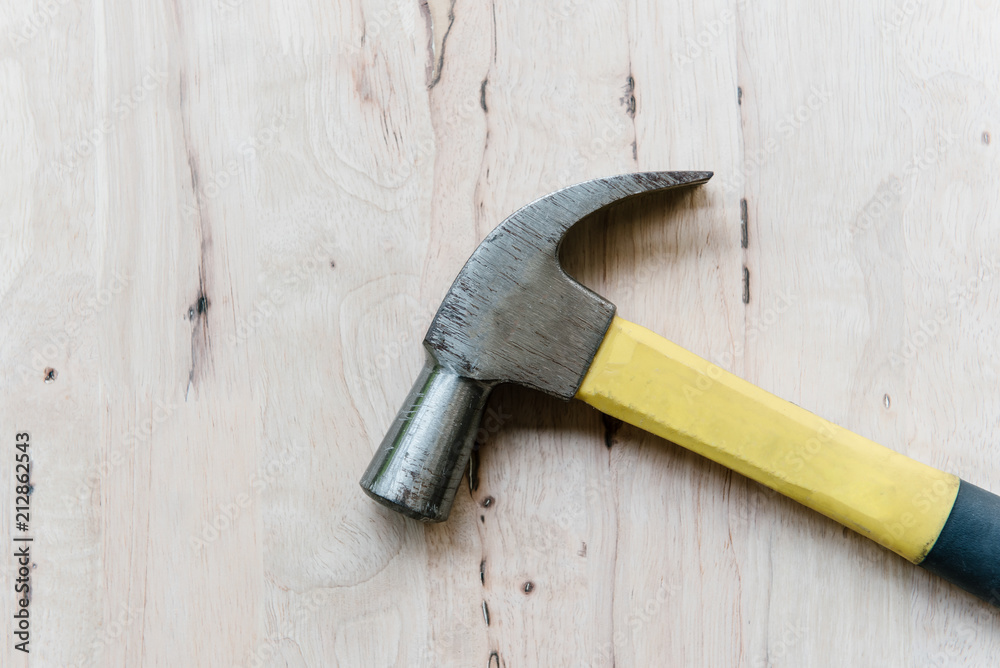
(513, 315)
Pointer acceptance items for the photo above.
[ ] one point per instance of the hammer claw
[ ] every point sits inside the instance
(551, 216)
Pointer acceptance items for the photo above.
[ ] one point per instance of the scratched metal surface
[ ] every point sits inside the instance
(513, 314)
(228, 225)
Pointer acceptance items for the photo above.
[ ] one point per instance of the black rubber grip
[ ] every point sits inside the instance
(967, 551)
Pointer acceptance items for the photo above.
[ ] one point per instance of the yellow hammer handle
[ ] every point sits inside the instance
(645, 380)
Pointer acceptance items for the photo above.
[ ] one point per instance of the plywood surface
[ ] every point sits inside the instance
(226, 226)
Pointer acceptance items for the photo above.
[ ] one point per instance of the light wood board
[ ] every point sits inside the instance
(226, 226)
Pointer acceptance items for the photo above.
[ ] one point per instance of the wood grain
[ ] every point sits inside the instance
(227, 225)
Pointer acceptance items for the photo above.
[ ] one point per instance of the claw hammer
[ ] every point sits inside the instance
(513, 315)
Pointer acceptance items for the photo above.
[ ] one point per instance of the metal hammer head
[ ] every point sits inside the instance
(512, 315)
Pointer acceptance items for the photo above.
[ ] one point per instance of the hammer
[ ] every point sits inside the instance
(513, 315)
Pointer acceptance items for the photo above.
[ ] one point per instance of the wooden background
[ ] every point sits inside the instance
(227, 224)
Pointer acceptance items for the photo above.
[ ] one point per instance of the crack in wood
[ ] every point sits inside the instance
(474, 470)
(744, 227)
(198, 311)
(435, 47)
(629, 98)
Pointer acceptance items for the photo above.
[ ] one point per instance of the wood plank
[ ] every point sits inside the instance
(227, 226)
